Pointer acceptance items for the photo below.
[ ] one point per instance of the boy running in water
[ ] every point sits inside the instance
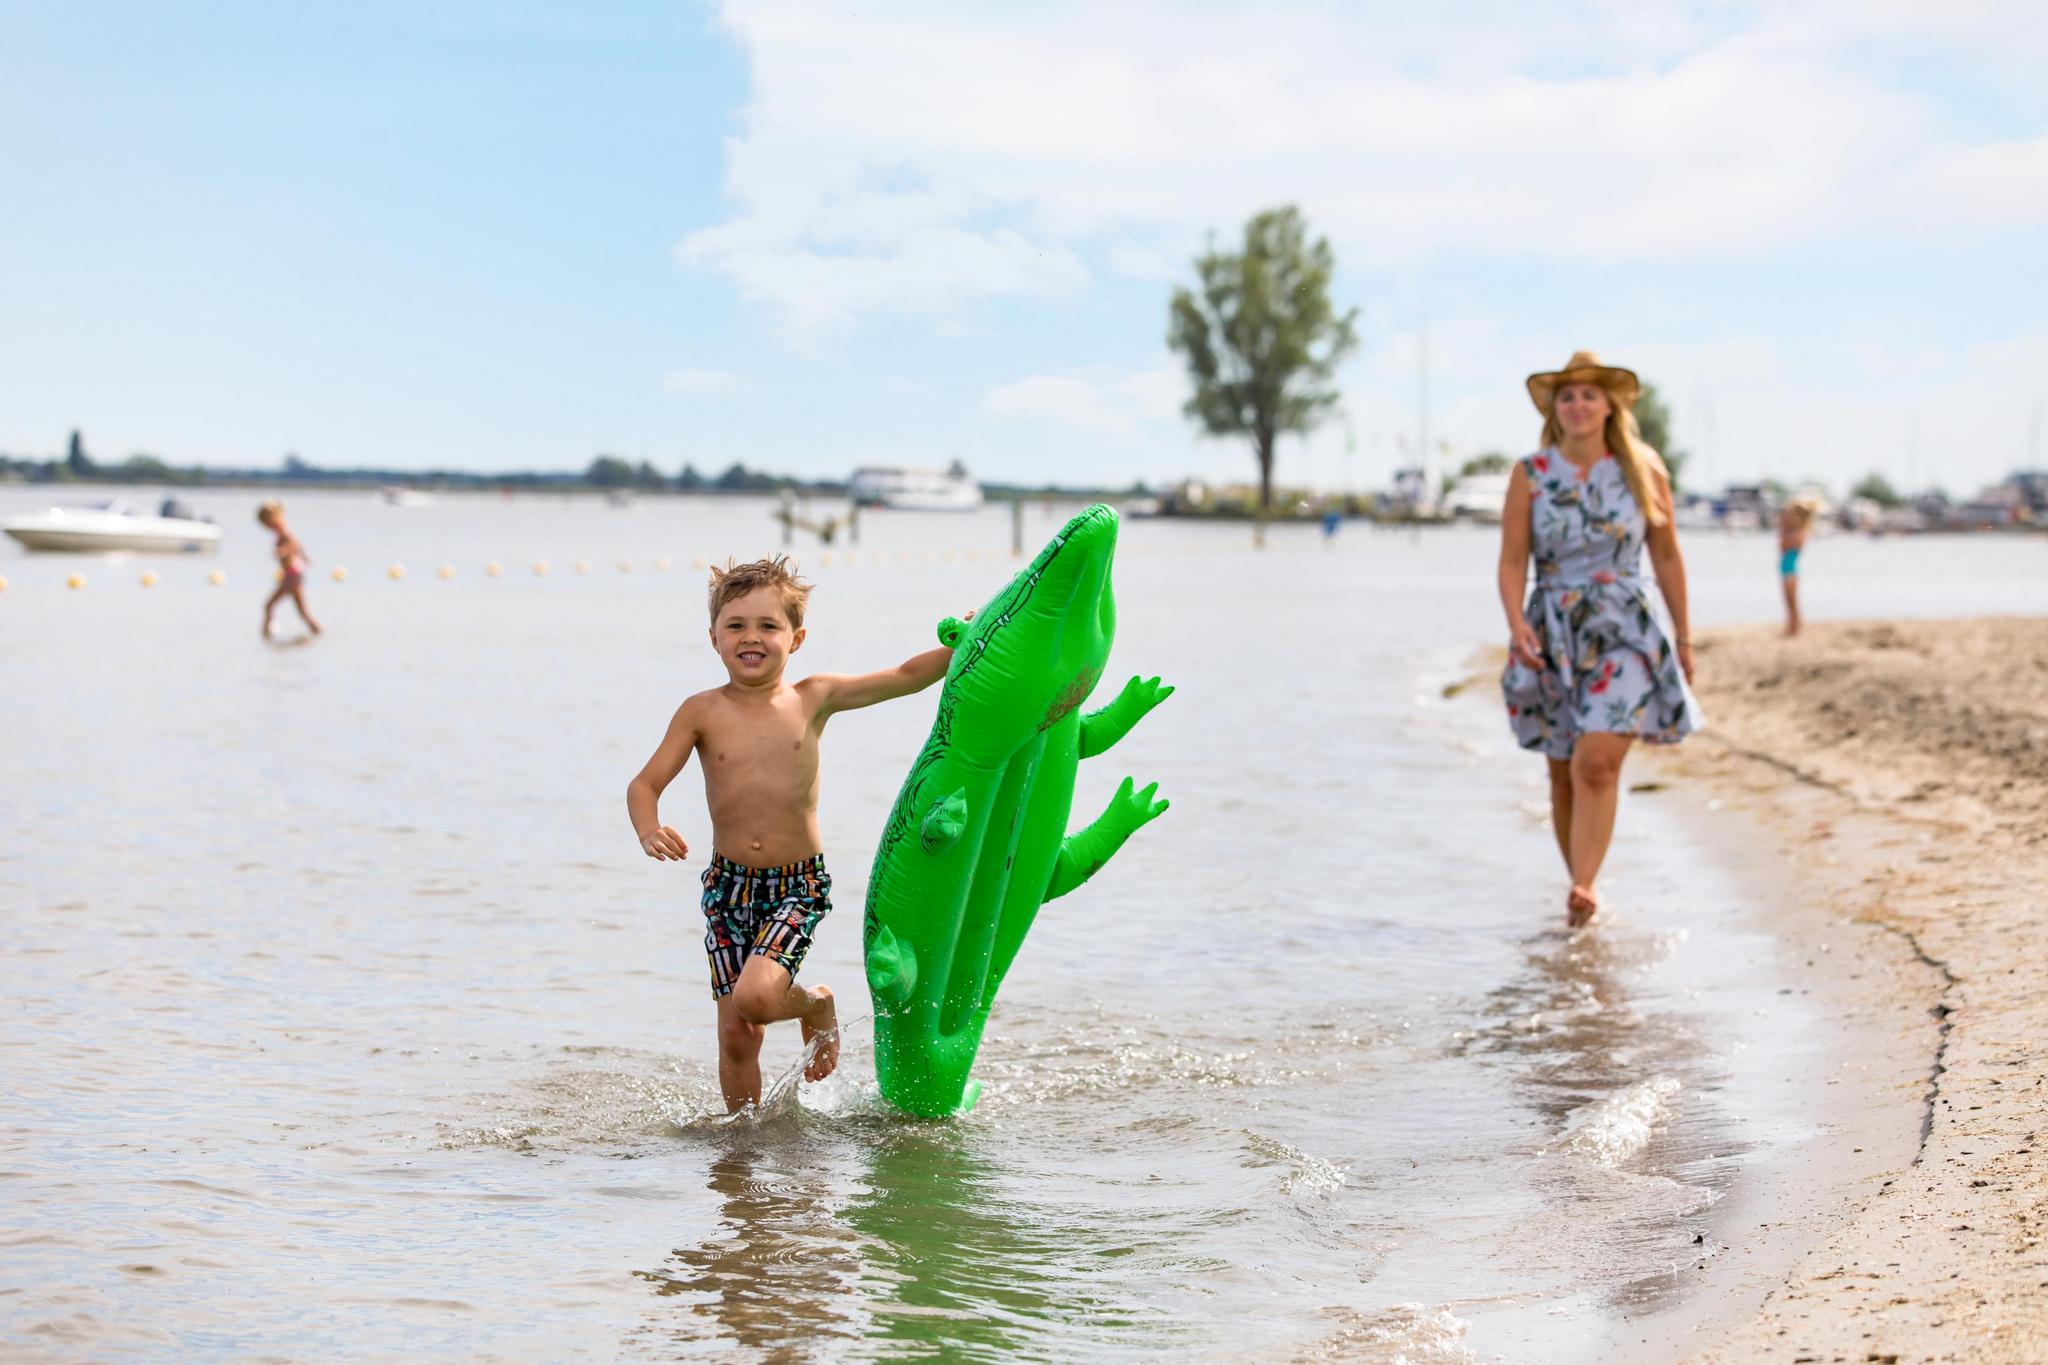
(766, 887)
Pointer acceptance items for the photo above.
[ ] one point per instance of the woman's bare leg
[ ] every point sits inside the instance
(1596, 790)
(1561, 807)
(1791, 581)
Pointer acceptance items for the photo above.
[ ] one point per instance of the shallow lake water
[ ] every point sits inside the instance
(345, 1017)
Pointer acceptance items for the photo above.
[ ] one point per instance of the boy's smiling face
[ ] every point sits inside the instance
(753, 636)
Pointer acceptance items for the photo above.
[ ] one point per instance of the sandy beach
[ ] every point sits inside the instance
(1903, 770)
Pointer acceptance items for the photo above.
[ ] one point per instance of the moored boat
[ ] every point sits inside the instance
(915, 490)
(113, 526)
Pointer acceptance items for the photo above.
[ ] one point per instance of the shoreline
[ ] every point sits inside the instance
(1907, 794)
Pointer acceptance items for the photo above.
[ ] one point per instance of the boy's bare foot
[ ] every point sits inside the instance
(822, 1020)
(1580, 907)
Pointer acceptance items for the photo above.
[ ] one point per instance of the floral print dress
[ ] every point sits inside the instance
(1608, 663)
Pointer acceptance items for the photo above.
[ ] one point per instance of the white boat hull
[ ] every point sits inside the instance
(97, 532)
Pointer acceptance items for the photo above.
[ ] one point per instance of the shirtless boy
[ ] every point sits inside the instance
(757, 738)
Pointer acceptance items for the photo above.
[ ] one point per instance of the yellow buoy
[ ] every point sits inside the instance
(340, 574)
(540, 568)
(76, 580)
(495, 569)
(625, 566)
(217, 577)
(582, 566)
(881, 558)
(824, 559)
(700, 562)
(3, 584)
(903, 556)
(148, 579)
(661, 566)
(396, 571)
(447, 571)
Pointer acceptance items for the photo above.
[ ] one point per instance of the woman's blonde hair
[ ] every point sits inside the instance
(1625, 441)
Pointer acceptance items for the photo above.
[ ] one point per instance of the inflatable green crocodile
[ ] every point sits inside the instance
(977, 839)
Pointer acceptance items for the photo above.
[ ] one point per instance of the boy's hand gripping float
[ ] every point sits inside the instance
(977, 839)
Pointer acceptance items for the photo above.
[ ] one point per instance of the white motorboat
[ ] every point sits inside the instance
(1478, 496)
(397, 495)
(915, 490)
(113, 526)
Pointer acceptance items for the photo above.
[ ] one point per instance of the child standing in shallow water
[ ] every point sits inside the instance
(291, 567)
(766, 887)
(1793, 524)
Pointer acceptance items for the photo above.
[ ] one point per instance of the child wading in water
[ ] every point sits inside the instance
(757, 738)
(291, 567)
(1793, 524)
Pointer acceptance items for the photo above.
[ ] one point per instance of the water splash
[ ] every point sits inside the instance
(1614, 1130)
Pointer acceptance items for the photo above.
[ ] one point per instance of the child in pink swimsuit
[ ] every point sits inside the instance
(291, 567)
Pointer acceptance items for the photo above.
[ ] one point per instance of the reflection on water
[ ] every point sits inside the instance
(960, 1265)
(777, 1272)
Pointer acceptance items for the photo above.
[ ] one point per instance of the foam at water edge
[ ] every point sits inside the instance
(1614, 1130)
(1400, 1334)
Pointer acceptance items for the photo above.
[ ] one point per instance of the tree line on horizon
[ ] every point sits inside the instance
(606, 473)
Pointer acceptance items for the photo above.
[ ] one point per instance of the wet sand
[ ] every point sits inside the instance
(1903, 770)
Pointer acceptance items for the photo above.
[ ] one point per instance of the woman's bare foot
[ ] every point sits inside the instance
(1580, 907)
(823, 1023)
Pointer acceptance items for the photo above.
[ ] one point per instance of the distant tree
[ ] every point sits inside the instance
(77, 463)
(296, 468)
(146, 469)
(1493, 462)
(647, 476)
(689, 480)
(1878, 489)
(1654, 417)
(734, 480)
(608, 471)
(1261, 339)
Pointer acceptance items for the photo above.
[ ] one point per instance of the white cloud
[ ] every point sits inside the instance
(699, 381)
(1108, 408)
(919, 158)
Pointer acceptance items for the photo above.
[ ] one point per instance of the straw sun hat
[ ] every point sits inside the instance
(1585, 368)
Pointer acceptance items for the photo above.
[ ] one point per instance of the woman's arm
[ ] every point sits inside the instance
(1514, 568)
(1669, 565)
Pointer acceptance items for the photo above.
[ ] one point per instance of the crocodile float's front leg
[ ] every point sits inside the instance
(1082, 855)
(1103, 728)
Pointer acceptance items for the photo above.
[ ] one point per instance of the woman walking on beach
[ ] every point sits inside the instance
(1590, 667)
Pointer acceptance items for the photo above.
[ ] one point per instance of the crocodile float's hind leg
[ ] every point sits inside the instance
(1082, 855)
(1103, 728)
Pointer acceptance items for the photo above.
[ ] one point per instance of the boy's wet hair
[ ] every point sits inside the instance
(736, 580)
(270, 511)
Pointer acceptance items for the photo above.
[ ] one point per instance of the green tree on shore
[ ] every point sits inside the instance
(1878, 489)
(1653, 415)
(1493, 462)
(1261, 339)
(78, 464)
(608, 471)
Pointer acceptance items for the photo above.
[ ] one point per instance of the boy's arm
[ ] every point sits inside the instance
(851, 691)
(644, 791)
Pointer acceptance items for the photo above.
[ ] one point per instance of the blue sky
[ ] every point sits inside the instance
(807, 236)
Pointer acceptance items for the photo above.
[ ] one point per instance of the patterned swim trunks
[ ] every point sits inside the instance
(771, 911)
